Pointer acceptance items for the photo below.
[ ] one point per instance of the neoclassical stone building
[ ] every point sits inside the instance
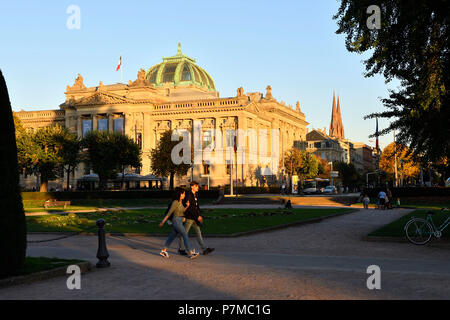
(173, 95)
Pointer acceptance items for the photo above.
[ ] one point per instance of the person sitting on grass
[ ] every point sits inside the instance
(177, 210)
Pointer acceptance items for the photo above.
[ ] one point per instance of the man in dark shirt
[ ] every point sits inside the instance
(193, 219)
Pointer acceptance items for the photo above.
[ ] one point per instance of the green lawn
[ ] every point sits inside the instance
(217, 221)
(395, 229)
(92, 204)
(37, 264)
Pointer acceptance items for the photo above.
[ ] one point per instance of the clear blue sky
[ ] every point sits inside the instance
(290, 45)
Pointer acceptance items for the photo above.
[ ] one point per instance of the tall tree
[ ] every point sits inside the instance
(412, 46)
(347, 173)
(161, 160)
(39, 152)
(69, 152)
(13, 236)
(406, 165)
(309, 167)
(109, 152)
(292, 161)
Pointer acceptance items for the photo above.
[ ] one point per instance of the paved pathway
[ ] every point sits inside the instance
(327, 260)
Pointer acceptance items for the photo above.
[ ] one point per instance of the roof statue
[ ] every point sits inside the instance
(78, 85)
(269, 93)
(297, 106)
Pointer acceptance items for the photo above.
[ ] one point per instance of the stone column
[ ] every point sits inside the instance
(242, 155)
(94, 122)
(110, 122)
(79, 127)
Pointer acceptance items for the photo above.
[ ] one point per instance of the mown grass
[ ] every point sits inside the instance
(92, 204)
(396, 228)
(145, 221)
(37, 264)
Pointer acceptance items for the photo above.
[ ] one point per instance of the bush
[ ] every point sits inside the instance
(153, 194)
(13, 236)
(412, 192)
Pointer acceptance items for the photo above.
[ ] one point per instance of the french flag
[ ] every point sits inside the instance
(120, 64)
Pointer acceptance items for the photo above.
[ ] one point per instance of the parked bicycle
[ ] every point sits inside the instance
(420, 231)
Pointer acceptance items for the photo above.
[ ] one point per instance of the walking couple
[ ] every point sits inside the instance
(184, 209)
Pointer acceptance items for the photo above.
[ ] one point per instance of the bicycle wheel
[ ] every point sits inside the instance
(418, 231)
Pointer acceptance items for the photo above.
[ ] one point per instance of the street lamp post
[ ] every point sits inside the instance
(331, 170)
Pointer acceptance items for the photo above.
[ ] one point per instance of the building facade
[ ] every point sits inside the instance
(174, 95)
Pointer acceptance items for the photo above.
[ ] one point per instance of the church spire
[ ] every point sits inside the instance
(333, 129)
(340, 124)
(336, 126)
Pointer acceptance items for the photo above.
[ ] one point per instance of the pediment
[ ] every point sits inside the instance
(253, 108)
(101, 98)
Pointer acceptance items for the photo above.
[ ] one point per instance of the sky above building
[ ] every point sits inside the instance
(290, 45)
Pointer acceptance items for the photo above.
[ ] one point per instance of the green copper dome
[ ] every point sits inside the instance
(179, 70)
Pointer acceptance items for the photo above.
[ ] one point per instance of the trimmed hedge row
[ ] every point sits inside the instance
(253, 190)
(154, 194)
(411, 192)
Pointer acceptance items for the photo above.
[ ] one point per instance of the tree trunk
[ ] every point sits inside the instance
(44, 184)
(172, 175)
(68, 178)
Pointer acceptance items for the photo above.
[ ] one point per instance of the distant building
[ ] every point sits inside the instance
(175, 94)
(334, 146)
(366, 153)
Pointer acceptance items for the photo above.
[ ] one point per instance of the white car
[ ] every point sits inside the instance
(330, 189)
(310, 190)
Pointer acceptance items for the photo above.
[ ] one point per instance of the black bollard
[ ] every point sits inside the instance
(102, 252)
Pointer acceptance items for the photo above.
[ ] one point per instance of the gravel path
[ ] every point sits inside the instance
(326, 260)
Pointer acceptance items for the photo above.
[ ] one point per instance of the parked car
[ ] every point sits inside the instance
(311, 190)
(330, 189)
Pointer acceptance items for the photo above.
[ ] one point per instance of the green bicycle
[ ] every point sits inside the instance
(420, 231)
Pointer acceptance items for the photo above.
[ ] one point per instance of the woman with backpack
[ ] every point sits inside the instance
(176, 214)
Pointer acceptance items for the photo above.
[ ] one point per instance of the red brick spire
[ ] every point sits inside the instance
(336, 126)
(340, 124)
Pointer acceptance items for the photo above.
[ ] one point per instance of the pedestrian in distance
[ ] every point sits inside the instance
(193, 220)
(388, 199)
(176, 212)
(382, 199)
(366, 201)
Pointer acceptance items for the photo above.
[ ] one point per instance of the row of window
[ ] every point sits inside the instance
(102, 125)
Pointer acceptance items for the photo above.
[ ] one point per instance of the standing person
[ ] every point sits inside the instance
(194, 219)
(177, 211)
(283, 188)
(366, 201)
(389, 198)
(382, 199)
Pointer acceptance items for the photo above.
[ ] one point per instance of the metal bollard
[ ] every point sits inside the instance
(102, 252)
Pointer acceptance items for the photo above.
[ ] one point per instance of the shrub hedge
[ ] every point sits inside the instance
(412, 192)
(153, 194)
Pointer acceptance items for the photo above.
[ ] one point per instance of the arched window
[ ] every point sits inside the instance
(186, 75)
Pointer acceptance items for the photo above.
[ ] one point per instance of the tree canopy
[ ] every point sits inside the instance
(108, 153)
(405, 162)
(45, 151)
(412, 46)
(161, 159)
(301, 163)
